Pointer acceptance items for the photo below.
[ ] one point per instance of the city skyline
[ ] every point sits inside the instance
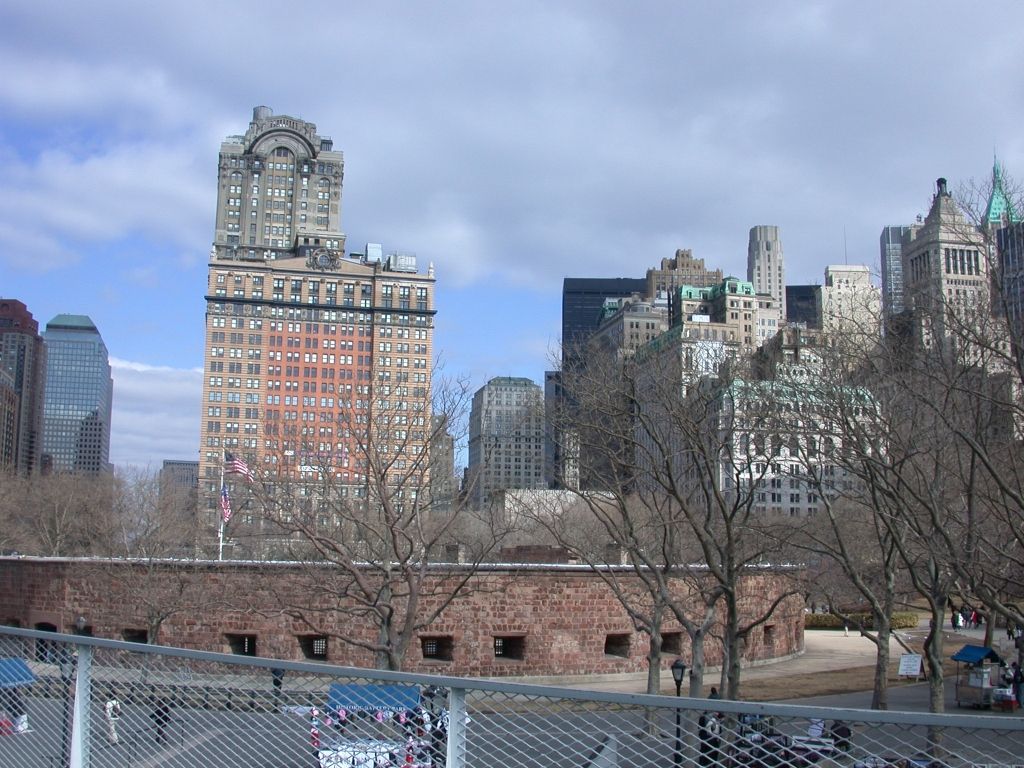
(513, 152)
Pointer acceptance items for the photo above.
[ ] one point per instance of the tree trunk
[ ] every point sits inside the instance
(880, 692)
(732, 667)
(654, 665)
(933, 655)
(697, 664)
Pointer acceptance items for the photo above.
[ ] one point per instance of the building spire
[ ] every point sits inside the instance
(1000, 211)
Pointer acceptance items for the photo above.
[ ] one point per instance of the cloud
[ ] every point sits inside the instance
(143, 190)
(512, 146)
(156, 413)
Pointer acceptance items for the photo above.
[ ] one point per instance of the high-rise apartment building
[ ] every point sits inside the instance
(23, 357)
(682, 269)
(8, 421)
(731, 311)
(848, 303)
(766, 266)
(79, 396)
(891, 252)
(506, 438)
(314, 356)
(630, 323)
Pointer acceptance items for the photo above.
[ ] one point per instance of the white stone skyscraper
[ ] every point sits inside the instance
(945, 272)
(765, 264)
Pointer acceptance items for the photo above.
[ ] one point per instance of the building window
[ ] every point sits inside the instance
(437, 648)
(242, 645)
(616, 645)
(314, 646)
(769, 635)
(135, 635)
(672, 643)
(509, 647)
(47, 651)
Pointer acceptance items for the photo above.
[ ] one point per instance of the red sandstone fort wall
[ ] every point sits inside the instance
(564, 616)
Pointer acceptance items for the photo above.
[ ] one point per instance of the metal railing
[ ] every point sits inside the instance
(67, 700)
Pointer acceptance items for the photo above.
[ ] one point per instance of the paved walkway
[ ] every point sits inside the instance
(824, 651)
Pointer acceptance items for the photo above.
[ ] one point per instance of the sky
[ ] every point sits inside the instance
(511, 144)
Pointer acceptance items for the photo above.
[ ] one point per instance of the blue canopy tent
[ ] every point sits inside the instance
(975, 654)
(15, 673)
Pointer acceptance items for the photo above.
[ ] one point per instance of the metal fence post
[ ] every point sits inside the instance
(456, 757)
(83, 706)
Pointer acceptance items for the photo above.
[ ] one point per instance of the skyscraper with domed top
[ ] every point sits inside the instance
(318, 360)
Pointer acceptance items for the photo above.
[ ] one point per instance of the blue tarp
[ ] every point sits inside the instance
(975, 654)
(15, 673)
(369, 697)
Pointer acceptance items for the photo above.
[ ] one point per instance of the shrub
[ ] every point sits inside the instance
(900, 620)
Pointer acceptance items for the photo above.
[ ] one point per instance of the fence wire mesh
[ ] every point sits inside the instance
(71, 701)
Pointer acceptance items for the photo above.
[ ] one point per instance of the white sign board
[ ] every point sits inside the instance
(910, 665)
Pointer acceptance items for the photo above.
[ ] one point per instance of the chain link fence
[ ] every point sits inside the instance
(77, 701)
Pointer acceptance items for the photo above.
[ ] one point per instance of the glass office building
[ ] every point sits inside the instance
(79, 391)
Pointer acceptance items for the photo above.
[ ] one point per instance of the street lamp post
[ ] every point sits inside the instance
(678, 670)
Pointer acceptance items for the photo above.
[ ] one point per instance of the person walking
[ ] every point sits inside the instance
(1016, 679)
(161, 716)
(112, 711)
(709, 734)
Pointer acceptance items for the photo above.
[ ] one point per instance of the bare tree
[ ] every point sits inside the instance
(151, 564)
(369, 531)
(60, 515)
(676, 494)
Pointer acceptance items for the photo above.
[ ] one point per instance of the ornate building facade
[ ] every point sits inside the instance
(312, 354)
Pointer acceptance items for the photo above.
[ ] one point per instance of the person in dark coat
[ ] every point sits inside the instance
(161, 716)
(840, 733)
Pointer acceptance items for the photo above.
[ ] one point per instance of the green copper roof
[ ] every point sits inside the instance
(1000, 210)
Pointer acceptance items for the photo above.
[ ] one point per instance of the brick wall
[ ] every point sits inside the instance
(557, 619)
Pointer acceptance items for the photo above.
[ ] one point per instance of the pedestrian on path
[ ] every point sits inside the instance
(112, 711)
(161, 716)
(709, 736)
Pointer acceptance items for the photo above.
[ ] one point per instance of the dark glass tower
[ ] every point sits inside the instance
(79, 391)
(582, 300)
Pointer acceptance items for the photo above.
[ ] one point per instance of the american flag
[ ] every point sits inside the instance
(225, 504)
(237, 466)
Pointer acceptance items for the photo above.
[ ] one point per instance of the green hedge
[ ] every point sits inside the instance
(900, 620)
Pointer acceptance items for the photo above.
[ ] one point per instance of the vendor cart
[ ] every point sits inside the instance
(974, 675)
(365, 725)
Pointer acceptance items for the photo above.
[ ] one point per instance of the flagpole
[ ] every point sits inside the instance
(220, 531)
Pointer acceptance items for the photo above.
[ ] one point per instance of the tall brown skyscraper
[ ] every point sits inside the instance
(306, 345)
(23, 358)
